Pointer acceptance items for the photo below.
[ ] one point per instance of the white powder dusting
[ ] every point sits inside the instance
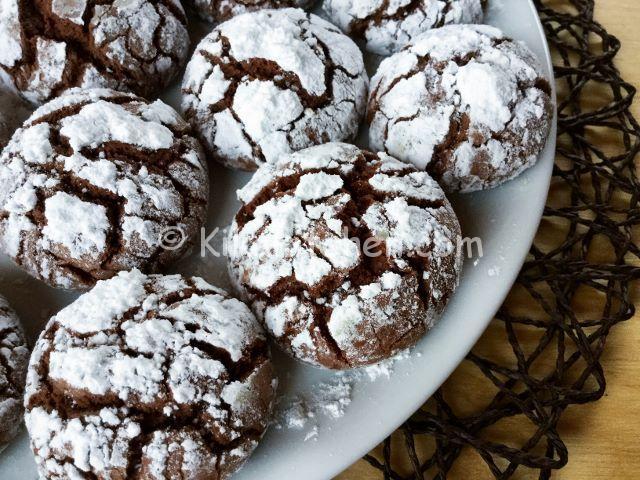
(494, 271)
(157, 360)
(270, 36)
(216, 11)
(10, 29)
(52, 59)
(102, 122)
(80, 227)
(91, 196)
(315, 186)
(36, 148)
(425, 90)
(329, 401)
(136, 45)
(488, 91)
(71, 10)
(284, 237)
(400, 20)
(268, 118)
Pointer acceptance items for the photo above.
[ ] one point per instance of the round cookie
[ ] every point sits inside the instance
(466, 103)
(13, 111)
(267, 83)
(14, 358)
(217, 11)
(386, 27)
(53, 45)
(346, 256)
(97, 182)
(147, 378)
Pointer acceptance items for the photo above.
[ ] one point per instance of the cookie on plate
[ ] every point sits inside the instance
(53, 45)
(14, 358)
(149, 377)
(464, 102)
(220, 10)
(268, 83)
(386, 27)
(13, 111)
(348, 257)
(96, 182)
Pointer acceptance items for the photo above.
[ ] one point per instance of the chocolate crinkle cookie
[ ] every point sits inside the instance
(93, 182)
(49, 46)
(466, 103)
(346, 256)
(149, 378)
(13, 111)
(14, 358)
(387, 26)
(221, 10)
(268, 83)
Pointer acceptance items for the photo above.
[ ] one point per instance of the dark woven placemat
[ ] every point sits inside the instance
(556, 341)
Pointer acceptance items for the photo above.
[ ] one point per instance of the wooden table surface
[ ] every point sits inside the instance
(603, 438)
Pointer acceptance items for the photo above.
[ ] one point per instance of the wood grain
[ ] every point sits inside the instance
(603, 438)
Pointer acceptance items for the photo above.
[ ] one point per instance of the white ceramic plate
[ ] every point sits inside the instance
(505, 219)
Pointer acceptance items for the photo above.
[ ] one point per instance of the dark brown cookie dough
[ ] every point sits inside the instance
(14, 358)
(387, 26)
(268, 83)
(13, 111)
(149, 378)
(348, 257)
(97, 182)
(464, 102)
(222, 10)
(52, 45)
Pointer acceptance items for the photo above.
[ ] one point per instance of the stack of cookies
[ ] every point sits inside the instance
(339, 255)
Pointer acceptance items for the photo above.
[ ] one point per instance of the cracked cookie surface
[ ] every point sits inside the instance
(346, 256)
(14, 358)
(221, 10)
(387, 26)
(52, 45)
(267, 83)
(13, 111)
(147, 378)
(92, 182)
(466, 103)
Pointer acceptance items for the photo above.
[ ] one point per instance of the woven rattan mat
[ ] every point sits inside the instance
(556, 342)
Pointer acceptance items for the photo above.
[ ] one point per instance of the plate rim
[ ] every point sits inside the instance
(473, 339)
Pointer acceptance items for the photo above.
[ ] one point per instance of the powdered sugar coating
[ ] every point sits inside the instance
(388, 26)
(267, 83)
(463, 102)
(92, 180)
(10, 32)
(217, 11)
(346, 256)
(172, 381)
(52, 45)
(14, 358)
